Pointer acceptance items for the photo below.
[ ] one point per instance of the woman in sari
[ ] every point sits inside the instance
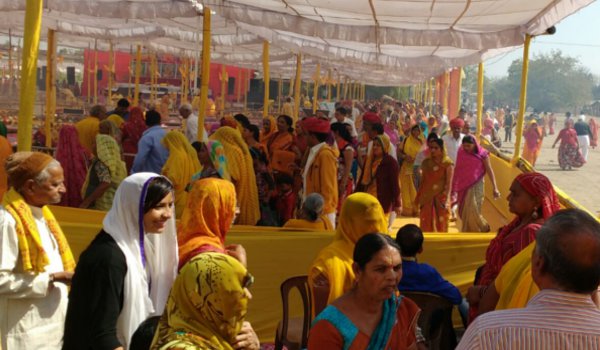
(269, 127)
(131, 132)
(206, 219)
(213, 161)
(472, 163)
(533, 200)
(345, 161)
(380, 177)
(533, 142)
(5, 151)
(311, 215)
(433, 197)
(594, 135)
(331, 274)
(283, 139)
(104, 175)
(345, 324)
(74, 159)
(569, 155)
(181, 165)
(412, 145)
(207, 307)
(241, 169)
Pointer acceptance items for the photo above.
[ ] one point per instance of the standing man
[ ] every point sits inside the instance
(191, 127)
(565, 265)
(36, 263)
(320, 171)
(583, 135)
(88, 127)
(453, 140)
(341, 115)
(152, 155)
(508, 125)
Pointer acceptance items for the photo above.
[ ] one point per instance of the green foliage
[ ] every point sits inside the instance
(555, 82)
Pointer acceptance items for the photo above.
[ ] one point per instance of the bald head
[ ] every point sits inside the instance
(568, 246)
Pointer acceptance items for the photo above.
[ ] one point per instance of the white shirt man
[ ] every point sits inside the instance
(453, 139)
(191, 127)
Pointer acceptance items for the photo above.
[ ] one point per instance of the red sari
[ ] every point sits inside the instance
(131, 133)
(73, 158)
(569, 154)
(594, 135)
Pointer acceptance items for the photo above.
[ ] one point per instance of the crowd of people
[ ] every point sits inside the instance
(147, 281)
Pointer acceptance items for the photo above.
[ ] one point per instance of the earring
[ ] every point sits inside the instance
(534, 215)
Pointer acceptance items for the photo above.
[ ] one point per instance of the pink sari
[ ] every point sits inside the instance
(73, 158)
(594, 130)
(469, 170)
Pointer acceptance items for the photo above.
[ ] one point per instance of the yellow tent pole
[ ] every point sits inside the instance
(431, 97)
(50, 92)
(111, 68)
(205, 71)
(297, 87)
(138, 72)
(418, 93)
(329, 85)
(316, 89)
(238, 94)
(224, 79)
(245, 75)
(346, 89)
(95, 71)
(266, 78)
(337, 88)
(523, 99)
(10, 60)
(445, 93)
(31, 41)
(89, 77)
(479, 99)
(129, 73)
(279, 91)
(426, 95)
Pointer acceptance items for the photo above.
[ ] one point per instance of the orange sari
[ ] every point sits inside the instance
(432, 196)
(280, 141)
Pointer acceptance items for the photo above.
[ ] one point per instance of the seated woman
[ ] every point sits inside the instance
(213, 162)
(207, 307)
(331, 274)
(181, 165)
(533, 200)
(125, 274)
(206, 219)
(311, 215)
(391, 320)
(104, 175)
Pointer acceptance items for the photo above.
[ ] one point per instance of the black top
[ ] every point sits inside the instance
(96, 296)
(582, 128)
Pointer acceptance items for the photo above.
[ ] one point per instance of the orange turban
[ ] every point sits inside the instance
(314, 124)
(23, 166)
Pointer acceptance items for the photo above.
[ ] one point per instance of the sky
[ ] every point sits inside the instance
(576, 36)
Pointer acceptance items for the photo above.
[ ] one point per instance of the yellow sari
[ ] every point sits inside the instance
(412, 146)
(207, 218)
(181, 165)
(241, 169)
(207, 305)
(514, 284)
(361, 214)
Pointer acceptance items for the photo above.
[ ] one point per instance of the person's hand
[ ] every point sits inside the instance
(62, 277)
(473, 295)
(398, 211)
(237, 251)
(246, 338)
(496, 193)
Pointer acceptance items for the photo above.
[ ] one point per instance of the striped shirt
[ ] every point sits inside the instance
(552, 320)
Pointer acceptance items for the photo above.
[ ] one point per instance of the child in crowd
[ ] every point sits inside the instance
(285, 201)
(417, 276)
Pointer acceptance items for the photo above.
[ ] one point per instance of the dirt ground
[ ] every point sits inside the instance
(583, 184)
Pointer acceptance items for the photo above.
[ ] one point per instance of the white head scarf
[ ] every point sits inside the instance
(151, 258)
(582, 117)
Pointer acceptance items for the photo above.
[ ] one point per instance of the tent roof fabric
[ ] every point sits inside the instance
(390, 42)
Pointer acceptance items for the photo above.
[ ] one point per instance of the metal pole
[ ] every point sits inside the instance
(205, 71)
(479, 99)
(266, 78)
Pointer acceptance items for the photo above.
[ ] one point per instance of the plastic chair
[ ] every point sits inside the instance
(435, 320)
(293, 332)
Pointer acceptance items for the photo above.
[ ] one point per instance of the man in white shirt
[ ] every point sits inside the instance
(36, 262)
(191, 127)
(565, 267)
(453, 139)
(341, 116)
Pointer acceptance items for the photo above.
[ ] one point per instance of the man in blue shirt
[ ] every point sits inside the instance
(152, 155)
(417, 277)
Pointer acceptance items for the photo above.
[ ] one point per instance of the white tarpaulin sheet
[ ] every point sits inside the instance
(380, 42)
